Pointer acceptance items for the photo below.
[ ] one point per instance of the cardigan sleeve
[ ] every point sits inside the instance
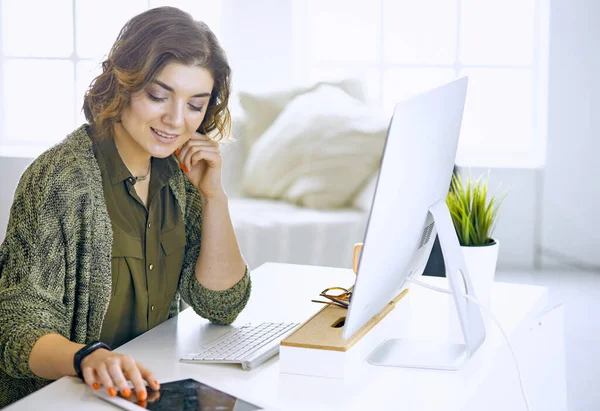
(32, 273)
(219, 307)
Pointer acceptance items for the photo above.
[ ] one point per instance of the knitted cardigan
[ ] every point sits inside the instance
(55, 262)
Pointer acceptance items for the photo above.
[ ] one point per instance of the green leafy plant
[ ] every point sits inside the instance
(473, 214)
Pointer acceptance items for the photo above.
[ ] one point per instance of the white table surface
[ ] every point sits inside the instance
(282, 292)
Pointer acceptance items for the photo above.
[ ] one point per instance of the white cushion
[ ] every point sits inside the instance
(262, 108)
(319, 152)
(364, 198)
(234, 158)
(274, 231)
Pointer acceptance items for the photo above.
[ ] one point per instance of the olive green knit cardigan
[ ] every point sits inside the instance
(55, 271)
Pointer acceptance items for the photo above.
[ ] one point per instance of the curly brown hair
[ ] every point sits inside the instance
(145, 45)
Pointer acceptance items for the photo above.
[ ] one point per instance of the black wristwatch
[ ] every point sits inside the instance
(84, 352)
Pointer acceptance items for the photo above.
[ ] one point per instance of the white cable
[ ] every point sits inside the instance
(493, 317)
(431, 287)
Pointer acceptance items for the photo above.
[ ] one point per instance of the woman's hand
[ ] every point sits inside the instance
(201, 161)
(113, 370)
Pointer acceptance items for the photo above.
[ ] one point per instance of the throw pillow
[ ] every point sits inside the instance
(363, 200)
(262, 108)
(321, 149)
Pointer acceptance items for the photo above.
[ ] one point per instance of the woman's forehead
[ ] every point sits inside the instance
(181, 79)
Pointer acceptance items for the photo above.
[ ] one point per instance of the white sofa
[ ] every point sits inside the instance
(277, 231)
(317, 145)
(267, 230)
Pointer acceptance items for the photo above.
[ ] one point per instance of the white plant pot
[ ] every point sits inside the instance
(481, 263)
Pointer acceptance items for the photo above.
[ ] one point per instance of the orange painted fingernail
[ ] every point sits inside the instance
(126, 393)
(177, 151)
(95, 386)
(142, 404)
(142, 395)
(112, 392)
(186, 169)
(180, 166)
(156, 383)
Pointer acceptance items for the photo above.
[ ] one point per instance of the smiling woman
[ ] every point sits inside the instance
(164, 115)
(139, 55)
(106, 227)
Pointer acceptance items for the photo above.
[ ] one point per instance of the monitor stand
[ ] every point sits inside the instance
(431, 355)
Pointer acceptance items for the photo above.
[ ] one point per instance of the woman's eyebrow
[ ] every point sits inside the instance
(169, 88)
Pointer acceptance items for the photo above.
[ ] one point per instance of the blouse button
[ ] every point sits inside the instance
(151, 308)
(151, 267)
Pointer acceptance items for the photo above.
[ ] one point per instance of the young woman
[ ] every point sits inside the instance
(111, 226)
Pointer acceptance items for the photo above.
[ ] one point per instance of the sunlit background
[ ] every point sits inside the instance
(51, 51)
(529, 115)
(532, 116)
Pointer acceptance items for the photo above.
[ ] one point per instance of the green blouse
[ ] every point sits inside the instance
(148, 246)
(56, 260)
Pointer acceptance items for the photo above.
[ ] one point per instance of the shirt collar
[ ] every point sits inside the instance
(117, 171)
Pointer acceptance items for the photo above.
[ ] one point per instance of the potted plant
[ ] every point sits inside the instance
(475, 213)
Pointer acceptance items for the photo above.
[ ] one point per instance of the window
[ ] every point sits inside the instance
(402, 47)
(50, 51)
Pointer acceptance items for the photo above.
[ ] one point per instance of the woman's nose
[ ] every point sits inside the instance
(174, 115)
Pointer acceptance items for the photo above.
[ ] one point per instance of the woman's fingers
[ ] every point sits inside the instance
(199, 139)
(186, 155)
(194, 149)
(106, 380)
(195, 145)
(212, 157)
(114, 371)
(191, 148)
(118, 378)
(148, 376)
(90, 378)
(153, 396)
(131, 370)
(192, 156)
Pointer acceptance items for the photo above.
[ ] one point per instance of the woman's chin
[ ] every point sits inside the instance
(161, 152)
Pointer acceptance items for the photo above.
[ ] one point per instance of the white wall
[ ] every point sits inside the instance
(518, 223)
(571, 190)
(258, 38)
(550, 217)
(11, 169)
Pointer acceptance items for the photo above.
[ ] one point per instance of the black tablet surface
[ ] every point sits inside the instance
(182, 395)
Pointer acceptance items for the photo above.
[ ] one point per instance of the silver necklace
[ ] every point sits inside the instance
(142, 178)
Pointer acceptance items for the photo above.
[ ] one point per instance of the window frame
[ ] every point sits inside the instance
(536, 152)
(11, 146)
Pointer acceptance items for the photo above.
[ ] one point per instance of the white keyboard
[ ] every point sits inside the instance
(249, 345)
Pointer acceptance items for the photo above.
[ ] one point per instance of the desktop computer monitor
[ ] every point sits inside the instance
(408, 210)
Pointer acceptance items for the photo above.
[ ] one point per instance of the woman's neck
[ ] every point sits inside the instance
(135, 158)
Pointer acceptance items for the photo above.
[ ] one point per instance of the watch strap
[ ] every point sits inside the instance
(84, 352)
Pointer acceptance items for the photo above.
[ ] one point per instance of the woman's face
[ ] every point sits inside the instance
(167, 112)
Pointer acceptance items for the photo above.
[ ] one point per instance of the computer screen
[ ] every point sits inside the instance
(414, 175)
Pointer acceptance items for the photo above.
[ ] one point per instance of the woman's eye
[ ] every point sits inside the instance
(196, 108)
(154, 98)
(159, 99)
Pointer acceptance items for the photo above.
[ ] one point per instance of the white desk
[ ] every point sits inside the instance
(282, 293)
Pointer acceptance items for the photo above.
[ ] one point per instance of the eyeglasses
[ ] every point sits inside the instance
(337, 295)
